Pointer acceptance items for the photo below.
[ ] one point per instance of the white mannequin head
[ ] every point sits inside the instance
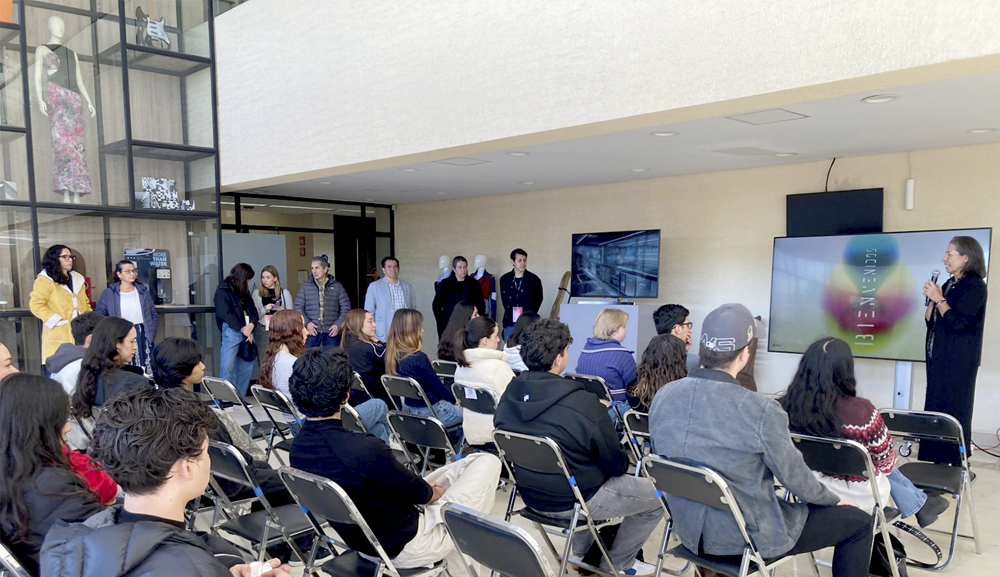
(444, 262)
(57, 26)
(479, 262)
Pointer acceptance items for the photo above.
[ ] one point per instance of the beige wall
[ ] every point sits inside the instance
(717, 232)
(313, 86)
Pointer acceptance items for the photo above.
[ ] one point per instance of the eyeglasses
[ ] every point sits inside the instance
(69, 256)
(687, 324)
(128, 271)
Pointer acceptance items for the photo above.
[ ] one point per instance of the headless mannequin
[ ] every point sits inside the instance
(444, 263)
(57, 28)
(479, 263)
(487, 283)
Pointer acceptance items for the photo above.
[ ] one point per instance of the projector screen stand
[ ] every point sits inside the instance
(903, 384)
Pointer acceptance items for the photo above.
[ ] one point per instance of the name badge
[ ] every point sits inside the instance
(517, 313)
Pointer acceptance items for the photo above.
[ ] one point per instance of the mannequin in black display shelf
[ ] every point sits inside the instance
(61, 95)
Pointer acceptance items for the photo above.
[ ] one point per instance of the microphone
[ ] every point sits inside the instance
(934, 276)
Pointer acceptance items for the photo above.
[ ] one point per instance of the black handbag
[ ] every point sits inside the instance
(880, 563)
(247, 351)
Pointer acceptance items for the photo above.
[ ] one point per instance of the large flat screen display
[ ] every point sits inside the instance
(616, 264)
(866, 289)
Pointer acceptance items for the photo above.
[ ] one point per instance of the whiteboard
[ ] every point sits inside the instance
(257, 250)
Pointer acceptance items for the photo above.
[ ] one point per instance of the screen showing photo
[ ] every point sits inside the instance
(616, 264)
(865, 289)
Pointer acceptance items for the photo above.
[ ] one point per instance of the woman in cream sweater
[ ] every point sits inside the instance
(481, 364)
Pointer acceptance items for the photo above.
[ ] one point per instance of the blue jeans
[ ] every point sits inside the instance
(322, 339)
(908, 498)
(507, 331)
(623, 406)
(373, 415)
(448, 413)
(233, 368)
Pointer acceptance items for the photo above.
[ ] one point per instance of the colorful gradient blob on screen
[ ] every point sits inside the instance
(865, 289)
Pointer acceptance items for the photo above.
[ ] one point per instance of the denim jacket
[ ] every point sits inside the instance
(708, 419)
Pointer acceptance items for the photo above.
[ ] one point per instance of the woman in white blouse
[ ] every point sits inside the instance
(132, 300)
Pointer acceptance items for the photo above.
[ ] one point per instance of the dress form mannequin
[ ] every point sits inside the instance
(488, 284)
(479, 263)
(60, 95)
(444, 263)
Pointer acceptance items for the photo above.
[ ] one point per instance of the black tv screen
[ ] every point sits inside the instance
(616, 264)
(830, 213)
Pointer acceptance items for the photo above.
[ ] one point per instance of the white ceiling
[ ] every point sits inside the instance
(931, 115)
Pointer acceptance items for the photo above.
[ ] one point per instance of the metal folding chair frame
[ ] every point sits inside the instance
(209, 385)
(400, 418)
(590, 382)
(274, 399)
(9, 565)
(455, 514)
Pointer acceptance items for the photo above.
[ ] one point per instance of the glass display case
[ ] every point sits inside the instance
(108, 145)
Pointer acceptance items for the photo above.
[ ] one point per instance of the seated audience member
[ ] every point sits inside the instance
(387, 494)
(822, 401)
(540, 402)
(604, 356)
(513, 345)
(707, 418)
(287, 342)
(463, 312)
(64, 365)
(674, 320)
(7, 366)
(154, 443)
(365, 351)
(404, 358)
(663, 361)
(481, 364)
(41, 480)
(104, 372)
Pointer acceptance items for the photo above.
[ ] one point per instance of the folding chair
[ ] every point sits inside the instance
(228, 464)
(9, 565)
(407, 388)
(476, 399)
(525, 456)
(597, 386)
(637, 431)
(498, 545)
(444, 368)
(849, 458)
(352, 420)
(273, 400)
(705, 486)
(426, 433)
(323, 500)
(937, 477)
(224, 395)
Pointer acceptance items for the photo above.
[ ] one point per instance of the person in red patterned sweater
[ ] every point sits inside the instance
(822, 401)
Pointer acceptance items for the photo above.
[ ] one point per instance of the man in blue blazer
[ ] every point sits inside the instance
(387, 295)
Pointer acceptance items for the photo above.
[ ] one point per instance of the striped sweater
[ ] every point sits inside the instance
(611, 361)
(862, 423)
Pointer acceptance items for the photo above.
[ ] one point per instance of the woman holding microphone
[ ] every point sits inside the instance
(955, 315)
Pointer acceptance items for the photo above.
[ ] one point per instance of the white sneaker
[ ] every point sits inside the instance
(640, 569)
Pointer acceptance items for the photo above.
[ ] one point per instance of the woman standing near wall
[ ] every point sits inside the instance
(58, 296)
(269, 299)
(236, 316)
(131, 300)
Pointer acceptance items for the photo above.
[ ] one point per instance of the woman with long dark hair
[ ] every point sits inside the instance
(58, 296)
(463, 312)
(481, 364)
(404, 358)
(365, 352)
(822, 401)
(131, 299)
(459, 286)
(513, 345)
(286, 345)
(664, 361)
(104, 371)
(41, 481)
(955, 316)
(236, 316)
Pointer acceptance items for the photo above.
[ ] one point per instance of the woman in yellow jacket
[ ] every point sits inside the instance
(57, 297)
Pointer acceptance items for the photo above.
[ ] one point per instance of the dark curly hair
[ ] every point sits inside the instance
(542, 342)
(825, 373)
(321, 381)
(51, 266)
(663, 361)
(141, 433)
(174, 359)
(99, 363)
(33, 410)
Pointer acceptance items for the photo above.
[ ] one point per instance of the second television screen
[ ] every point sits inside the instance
(616, 264)
(866, 289)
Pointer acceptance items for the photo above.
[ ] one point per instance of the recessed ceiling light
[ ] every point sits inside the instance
(639, 169)
(325, 182)
(527, 182)
(442, 194)
(517, 153)
(879, 98)
(409, 169)
(784, 154)
(981, 130)
(663, 133)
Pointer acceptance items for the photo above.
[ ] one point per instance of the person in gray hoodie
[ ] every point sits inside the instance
(708, 419)
(64, 365)
(154, 443)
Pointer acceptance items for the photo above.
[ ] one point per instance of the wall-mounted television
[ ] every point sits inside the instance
(834, 213)
(866, 289)
(616, 264)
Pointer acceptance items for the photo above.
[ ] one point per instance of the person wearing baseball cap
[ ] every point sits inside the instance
(707, 418)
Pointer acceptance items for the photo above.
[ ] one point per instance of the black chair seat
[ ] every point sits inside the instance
(351, 564)
(934, 476)
(891, 514)
(717, 564)
(532, 515)
(251, 526)
(285, 445)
